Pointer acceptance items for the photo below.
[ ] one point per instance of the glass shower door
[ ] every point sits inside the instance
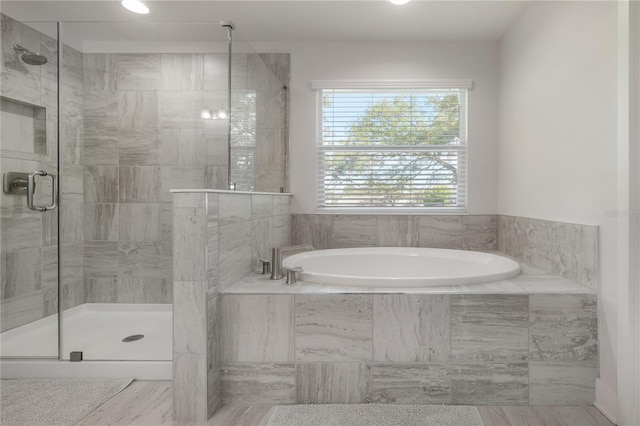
(149, 92)
(29, 163)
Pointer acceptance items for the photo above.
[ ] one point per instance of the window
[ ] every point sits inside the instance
(392, 145)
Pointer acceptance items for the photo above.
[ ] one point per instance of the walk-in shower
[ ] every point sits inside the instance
(79, 280)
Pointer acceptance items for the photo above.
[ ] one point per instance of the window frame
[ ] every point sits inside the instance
(464, 85)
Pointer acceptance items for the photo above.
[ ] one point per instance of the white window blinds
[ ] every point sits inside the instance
(392, 147)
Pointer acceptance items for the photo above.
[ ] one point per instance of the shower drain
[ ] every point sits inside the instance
(133, 338)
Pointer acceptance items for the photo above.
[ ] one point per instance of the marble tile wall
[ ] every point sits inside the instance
(217, 238)
(30, 239)
(564, 249)
(496, 349)
(143, 137)
(325, 231)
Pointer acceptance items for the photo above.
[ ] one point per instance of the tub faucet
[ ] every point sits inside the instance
(276, 258)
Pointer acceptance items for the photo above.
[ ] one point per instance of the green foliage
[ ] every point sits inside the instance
(397, 177)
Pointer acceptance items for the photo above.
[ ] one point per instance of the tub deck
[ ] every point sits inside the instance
(522, 284)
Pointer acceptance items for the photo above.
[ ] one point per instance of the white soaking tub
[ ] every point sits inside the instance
(401, 267)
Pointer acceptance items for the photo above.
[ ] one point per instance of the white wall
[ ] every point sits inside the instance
(326, 61)
(557, 153)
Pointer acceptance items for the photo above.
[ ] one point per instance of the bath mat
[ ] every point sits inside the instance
(53, 401)
(374, 414)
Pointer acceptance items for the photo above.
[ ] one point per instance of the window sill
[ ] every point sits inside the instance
(392, 211)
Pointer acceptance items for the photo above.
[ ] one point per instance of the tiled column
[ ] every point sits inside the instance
(196, 385)
(217, 237)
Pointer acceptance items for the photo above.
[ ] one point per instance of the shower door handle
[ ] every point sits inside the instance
(31, 189)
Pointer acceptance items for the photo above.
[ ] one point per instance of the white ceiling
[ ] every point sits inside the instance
(292, 20)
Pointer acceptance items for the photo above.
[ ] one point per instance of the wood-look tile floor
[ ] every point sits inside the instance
(148, 403)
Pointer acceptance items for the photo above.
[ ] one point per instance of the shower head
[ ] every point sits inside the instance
(29, 57)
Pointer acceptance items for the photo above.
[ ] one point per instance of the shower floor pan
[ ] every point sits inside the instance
(97, 330)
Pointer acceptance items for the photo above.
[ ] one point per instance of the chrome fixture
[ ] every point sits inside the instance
(230, 28)
(135, 6)
(20, 183)
(133, 338)
(15, 183)
(266, 266)
(29, 57)
(31, 189)
(276, 258)
(291, 274)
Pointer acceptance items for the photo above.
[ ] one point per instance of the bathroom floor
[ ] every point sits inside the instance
(149, 403)
(97, 329)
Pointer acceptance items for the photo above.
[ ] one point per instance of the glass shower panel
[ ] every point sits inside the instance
(149, 92)
(28, 143)
(258, 119)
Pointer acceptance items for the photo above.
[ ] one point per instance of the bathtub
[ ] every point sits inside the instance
(401, 267)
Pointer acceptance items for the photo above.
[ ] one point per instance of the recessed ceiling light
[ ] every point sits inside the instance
(399, 2)
(135, 6)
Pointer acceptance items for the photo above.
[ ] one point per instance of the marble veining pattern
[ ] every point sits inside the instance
(411, 328)
(258, 383)
(257, 328)
(139, 260)
(489, 328)
(338, 383)
(324, 231)
(101, 222)
(190, 388)
(560, 248)
(334, 327)
(411, 384)
(562, 383)
(490, 384)
(234, 209)
(234, 245)
(189, 259)
(133, 228)
(355, 231)
(397, 231)
(440, 232)
(138, 147)
(563, 328)
(480, 232)
(190, 318)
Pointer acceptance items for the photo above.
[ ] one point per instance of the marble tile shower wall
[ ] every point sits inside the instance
(143, 137)
(217, 240)
(29, 239)
(565, 249)
(325, 231)
(408, 349)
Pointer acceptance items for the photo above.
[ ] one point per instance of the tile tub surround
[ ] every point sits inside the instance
(217, 238)
(557, 248)
(514, 342)
(564, 249)
(326, 231)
